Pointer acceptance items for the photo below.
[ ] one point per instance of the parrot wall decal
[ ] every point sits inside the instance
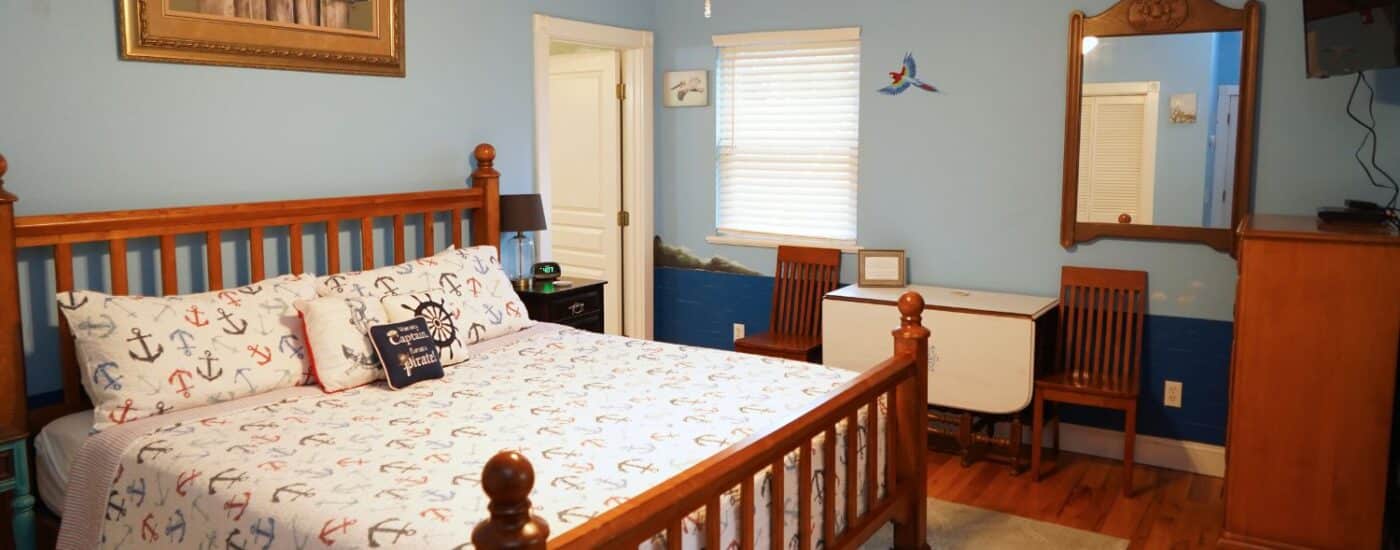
(905, 78)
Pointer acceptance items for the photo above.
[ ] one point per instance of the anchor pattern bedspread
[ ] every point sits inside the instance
(602, 418)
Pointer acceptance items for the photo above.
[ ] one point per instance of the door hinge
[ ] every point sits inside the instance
(624, 218)
(621, 91)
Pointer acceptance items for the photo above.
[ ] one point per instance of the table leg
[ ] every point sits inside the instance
(965, 437)
(23, 503)
(1015, 444)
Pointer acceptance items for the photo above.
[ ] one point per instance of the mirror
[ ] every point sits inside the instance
(1157, 129)
(1159, 133)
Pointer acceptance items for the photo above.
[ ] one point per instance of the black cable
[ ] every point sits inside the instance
(1376, 141)
(1373, 138)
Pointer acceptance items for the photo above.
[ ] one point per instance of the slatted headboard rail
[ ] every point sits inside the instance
(59, 232)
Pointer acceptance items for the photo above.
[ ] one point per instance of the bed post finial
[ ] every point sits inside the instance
(486, 222)
(911, 310)
(507, 479)
(911, 406)
(485, 155)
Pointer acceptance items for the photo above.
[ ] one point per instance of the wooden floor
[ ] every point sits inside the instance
(1169, 509)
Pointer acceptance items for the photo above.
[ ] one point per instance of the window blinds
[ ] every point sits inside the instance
(788, 134)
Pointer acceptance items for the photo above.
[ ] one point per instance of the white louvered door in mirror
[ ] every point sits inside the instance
(788, 135)
(1117, 153)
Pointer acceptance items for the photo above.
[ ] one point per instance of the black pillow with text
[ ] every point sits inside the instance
(407, 351)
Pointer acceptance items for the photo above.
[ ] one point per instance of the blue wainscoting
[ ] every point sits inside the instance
(700, 308)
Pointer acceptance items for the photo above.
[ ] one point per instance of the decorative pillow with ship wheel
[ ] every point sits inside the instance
(459, 321)
(142, 356)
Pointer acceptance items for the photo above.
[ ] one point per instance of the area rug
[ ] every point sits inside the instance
(953, 526)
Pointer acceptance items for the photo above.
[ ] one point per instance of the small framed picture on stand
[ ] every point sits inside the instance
(882, 268)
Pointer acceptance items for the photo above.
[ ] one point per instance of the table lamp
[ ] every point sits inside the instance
(521, 213)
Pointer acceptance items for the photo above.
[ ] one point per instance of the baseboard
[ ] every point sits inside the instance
(1173, 454)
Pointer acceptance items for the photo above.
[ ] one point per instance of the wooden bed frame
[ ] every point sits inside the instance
(900, 380)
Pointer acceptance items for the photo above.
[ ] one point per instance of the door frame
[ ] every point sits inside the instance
(636, 48)
(1218, 181)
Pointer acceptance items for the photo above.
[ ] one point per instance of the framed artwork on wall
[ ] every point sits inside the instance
(1183, 108)
(881, 268)
(687, 89)
(340, 36)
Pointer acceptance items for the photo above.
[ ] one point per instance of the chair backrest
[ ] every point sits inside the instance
(803, 276)
(1101, 320)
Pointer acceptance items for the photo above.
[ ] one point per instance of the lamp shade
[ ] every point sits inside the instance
(522, 213)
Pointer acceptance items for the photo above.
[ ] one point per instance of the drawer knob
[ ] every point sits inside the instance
(577, 308)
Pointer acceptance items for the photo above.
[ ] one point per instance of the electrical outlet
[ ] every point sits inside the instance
(1172, 395)
(738, 331)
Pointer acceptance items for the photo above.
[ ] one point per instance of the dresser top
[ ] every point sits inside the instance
(953, 299)
(1276, 226)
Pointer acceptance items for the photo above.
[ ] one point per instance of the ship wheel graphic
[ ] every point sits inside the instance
(440, 324)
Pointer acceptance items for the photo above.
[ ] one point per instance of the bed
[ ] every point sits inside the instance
(548, 437)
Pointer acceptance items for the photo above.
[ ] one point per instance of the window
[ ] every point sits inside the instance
(788, 137)
(1117, 151)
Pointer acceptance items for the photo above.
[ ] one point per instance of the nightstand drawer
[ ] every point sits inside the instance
(592, 323)
(580, 304)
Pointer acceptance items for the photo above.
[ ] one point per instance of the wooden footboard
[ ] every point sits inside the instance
(902, 380)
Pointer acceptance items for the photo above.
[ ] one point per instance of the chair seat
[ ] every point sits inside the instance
(1097, 386)
(787, 346)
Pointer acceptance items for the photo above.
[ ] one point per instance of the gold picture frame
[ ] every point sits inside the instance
(364, 37)
(882, 268)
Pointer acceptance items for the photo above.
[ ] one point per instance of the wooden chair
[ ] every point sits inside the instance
(803, 276)
(1098, 355)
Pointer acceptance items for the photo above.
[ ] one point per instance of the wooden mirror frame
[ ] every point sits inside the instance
(1150, 17)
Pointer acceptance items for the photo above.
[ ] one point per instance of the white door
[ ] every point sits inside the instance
(1226, 131)
(585, 173)
(1118, 152)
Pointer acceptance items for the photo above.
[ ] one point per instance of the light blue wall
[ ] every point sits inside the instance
(975, 171)
(1228, 46)
(1181, 63)
(85, 131)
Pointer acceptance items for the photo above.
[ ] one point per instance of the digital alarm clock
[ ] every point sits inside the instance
(545, 272)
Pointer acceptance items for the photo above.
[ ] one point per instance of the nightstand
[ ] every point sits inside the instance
(580, 305)
(14, 476)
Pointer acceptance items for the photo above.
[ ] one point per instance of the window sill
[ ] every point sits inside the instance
(849, 247)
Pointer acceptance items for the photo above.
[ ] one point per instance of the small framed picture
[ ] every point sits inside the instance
(687, 89)
(882, 268)
(1183, 108)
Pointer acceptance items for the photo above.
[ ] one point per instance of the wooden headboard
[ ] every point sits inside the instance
(60, 232)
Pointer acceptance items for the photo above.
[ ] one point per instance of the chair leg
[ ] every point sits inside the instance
(1055, 407)
(1037, 426)
(1129, 442)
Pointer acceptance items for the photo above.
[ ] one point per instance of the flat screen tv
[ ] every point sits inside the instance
(1351, 36)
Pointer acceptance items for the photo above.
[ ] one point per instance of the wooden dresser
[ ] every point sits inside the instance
(1317, 322)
